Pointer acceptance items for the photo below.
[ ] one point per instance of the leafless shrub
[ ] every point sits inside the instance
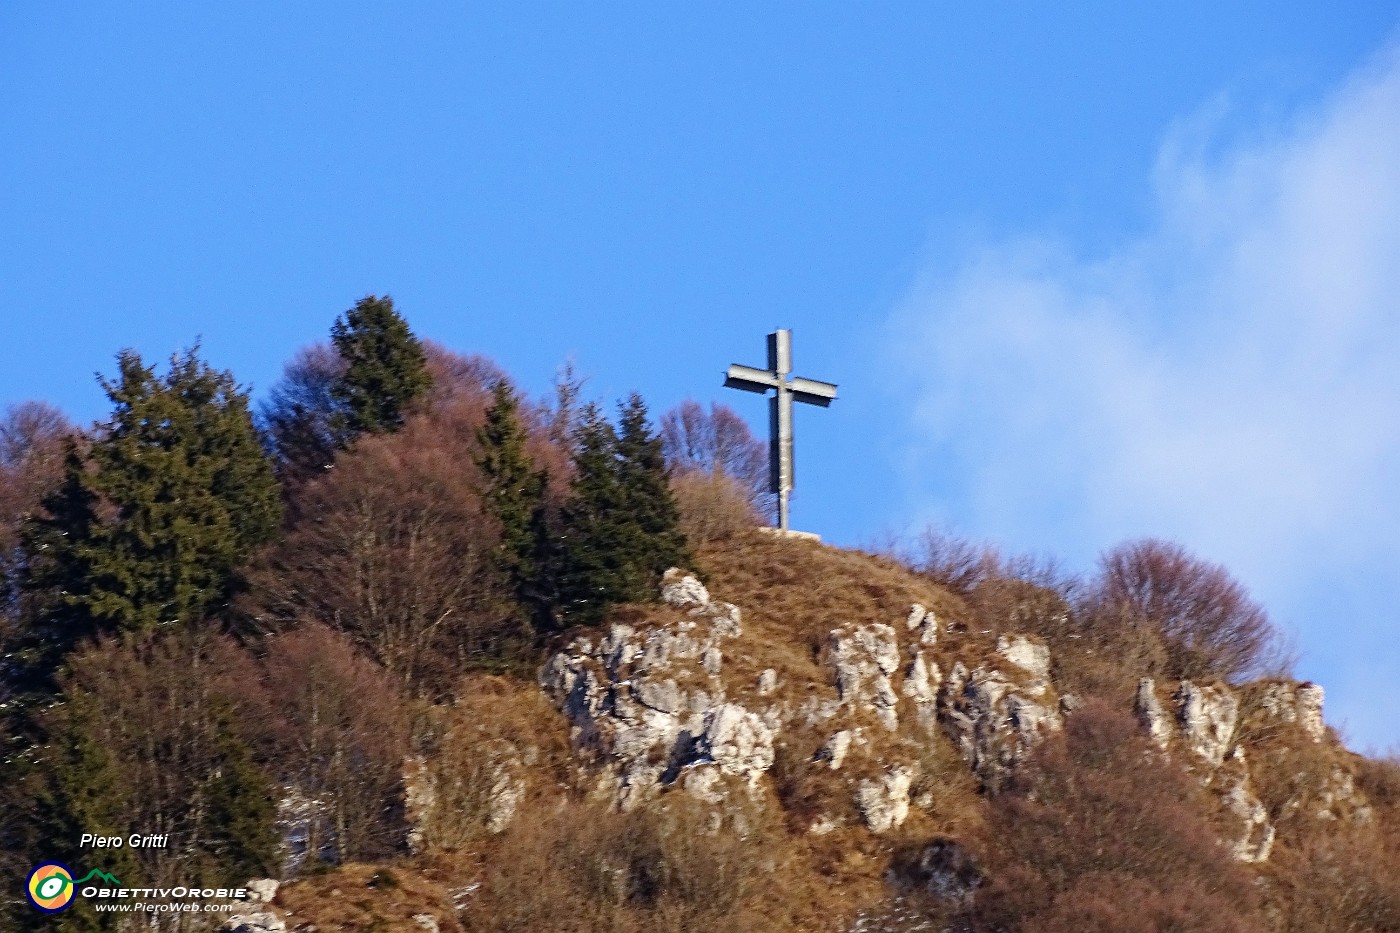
(1344, 881)
(300, 419)
(1379, 779)
(393, 547)
(712, 506)
(954, 562)
(1099, 812)
(659, 868)
(716, 441)
(459, 378)
(1208, 624)
(173, 718)
(340, 739)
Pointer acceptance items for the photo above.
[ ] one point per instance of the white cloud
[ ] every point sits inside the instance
(1230, 379)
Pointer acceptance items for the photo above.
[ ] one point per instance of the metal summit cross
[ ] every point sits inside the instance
(810, 391)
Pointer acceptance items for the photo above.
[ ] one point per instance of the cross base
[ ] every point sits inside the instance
(790, 534)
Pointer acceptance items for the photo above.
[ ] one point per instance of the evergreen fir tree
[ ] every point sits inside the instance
(513, 491)
(239, 810)
(78, 791)
(650, 504)
(385, 367)
(151, 527)
(64, 548)
(591, 554)
(619, 529)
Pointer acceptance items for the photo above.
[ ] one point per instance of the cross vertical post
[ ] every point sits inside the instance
(787, 391)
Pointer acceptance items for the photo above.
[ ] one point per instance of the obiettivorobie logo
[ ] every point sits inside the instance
(51, 885)
(52, 888)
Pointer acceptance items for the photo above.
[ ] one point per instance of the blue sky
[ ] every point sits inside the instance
(1082, 275)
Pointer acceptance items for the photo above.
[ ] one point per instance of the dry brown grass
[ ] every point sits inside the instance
(583, 869)
(497, 726)
(360, 898)
(712, 507)
(803, 588)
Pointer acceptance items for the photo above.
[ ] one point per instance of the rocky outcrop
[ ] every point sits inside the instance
(683, 591)
(649, 706)
(262, 890)
(1299, 703)
(883, 802)
(943, 869)
(1203, 721)
(861, 659)
(1253, 840)
(834, 751)
(736, 741)
(921, 682)
(924, 624)
(993, 720)
(1150, 715)
(1206, 717)
(1031, 657)
(302, 821)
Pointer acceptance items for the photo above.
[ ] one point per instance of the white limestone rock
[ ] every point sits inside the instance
(1299, 703)
(1031, 657)
(883, 803)
(767, 682)
(503, 799)
(924, 622)
(1206, 718)
(623, 698)
(862, 658)
(262, 890)
(683, 591)
(1309, 705)
(993, 721)
(1255, 839)
(1154, 720)
(737, 741)
(833, 752)
(921, 680)
(705, 783)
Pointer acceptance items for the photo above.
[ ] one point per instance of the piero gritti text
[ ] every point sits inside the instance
(133, 841)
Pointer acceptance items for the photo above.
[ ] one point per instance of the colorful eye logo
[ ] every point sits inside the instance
(50, 887)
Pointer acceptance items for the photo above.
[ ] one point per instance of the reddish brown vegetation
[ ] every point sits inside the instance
(1208, 624)
(1101, 834)
(33, 442)
(712, 507)
(339, 732)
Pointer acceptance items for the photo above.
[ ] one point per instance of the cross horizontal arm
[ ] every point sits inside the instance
(750, 379)
(812, 391)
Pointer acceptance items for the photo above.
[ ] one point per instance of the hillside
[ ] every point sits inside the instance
(409, 651)
(819, 739)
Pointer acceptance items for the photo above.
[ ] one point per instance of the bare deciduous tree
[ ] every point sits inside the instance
(173, 719)
(392, 547)
(33, 443)
(341, 738)
(716, 441)
(1208, 624)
